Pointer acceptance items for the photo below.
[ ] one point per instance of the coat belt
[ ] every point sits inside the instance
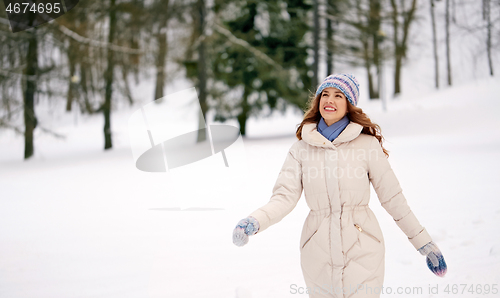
(349, 207)
(324, 211)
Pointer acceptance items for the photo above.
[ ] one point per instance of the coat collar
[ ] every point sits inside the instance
(312, 136)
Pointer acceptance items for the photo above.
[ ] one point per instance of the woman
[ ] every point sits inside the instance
(338, 153)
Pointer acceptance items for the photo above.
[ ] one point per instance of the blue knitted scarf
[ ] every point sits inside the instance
(332, 131)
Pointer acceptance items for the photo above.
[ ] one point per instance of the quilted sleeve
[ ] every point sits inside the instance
(286, 193)
(391, 196)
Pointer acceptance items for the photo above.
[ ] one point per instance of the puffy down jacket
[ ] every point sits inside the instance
(342, 248)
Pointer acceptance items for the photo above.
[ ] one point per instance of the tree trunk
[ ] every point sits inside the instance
(128, 93)
(368, 66)
(83, 82)
(371, 88)
(30, 120)
(72, 69)
(397, 63)
(397, 75)
(487, 12)
(434, 41)
(448, 58)
(374, 29)
(243, 116)
(315, 45)
(108, 77)
(202, 76)
(329, 47)
(400, 46)
(160, 66)
(162, 55)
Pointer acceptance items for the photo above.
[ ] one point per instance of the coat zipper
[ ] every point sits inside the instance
(363, 231)
(309, 239)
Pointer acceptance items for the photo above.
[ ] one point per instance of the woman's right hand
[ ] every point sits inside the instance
(245, 227)
(435, 260)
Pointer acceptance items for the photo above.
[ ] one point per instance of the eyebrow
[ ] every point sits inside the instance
(336, 91)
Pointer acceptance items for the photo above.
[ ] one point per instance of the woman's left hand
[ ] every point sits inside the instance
(246, 227)
(435, 259)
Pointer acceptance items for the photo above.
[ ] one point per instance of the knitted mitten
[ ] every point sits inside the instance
(435, 260)
(245, 227)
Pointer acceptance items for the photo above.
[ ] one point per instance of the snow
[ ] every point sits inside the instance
(76, 221)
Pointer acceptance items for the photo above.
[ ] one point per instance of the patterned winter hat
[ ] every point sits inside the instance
(346, 83)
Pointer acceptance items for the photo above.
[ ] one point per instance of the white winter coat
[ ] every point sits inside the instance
(341, 246)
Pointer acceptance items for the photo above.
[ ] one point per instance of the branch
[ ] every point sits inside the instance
(27, 77)
(248, 46)
(97, 43)
(5, 124)
(54, 134)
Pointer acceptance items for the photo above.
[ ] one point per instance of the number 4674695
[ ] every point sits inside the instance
(40, 8)
(483, 289)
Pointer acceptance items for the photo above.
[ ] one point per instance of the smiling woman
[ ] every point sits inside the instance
(342, 248)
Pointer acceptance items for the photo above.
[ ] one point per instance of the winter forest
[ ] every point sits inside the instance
(78, 219)
(246, 58)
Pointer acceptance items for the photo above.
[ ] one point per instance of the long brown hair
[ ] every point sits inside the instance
(355, 114)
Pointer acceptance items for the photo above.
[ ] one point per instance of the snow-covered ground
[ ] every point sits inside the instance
(79, 222)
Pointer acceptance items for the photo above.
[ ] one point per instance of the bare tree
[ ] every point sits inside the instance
(161, 37)
(435, 45)
(108, 77)
(368, 23)
(487, 18)
(448, 55)
(334, 17)
(202, 72)
(316, 31)
(77, 21)
(374, 27)
(330, 44)
(401, 21)
(30, 120)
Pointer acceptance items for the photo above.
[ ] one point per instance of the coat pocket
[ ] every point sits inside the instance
(366, 233)
(308, 239)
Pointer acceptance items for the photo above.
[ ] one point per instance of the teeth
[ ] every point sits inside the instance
(329, 109)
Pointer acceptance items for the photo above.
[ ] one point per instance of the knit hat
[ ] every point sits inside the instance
(346, 83)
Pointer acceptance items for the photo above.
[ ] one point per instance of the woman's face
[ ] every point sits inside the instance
(332, 105)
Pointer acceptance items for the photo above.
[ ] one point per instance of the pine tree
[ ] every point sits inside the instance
(271, 70)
